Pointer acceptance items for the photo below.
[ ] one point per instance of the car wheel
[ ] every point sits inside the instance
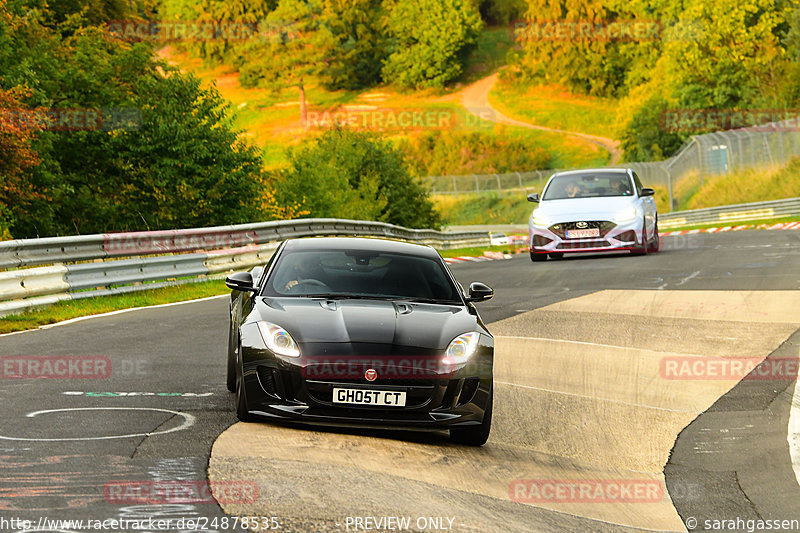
(241, 395)
(538, 257)
(645, 246)
(558, 255)
(475, 435)
(656, 244)
(231, 376)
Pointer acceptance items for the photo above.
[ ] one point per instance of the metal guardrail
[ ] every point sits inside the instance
(78, 263)
(731, 213)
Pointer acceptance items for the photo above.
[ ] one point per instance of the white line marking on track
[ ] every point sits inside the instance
(117, 312)
(793, 435)
(592, 344)
(690, 276)
(594, 397)
(188, 421)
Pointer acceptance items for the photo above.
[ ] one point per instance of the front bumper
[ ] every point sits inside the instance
(281, 389)
(612, 237)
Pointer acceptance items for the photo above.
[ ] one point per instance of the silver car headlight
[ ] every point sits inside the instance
(626, 215)
(278, 339)
(462, 347)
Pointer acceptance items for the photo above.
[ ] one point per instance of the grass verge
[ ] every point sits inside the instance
(61, 311)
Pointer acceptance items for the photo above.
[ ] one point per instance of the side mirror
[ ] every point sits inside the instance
(479, 292)
(256, 272)
(534, 197)
(240, 281)
(647, 191)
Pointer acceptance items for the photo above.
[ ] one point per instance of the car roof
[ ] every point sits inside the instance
(594, 171)
(359, 243)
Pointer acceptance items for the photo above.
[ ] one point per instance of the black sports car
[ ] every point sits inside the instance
(361, 332)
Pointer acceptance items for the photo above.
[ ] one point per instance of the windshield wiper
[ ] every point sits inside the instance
(429, 301)
(345, 296)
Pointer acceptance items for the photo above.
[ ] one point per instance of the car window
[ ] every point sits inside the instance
(588, 185)
(638, 184)
(360, 273)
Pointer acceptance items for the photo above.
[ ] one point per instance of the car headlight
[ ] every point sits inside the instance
(626, 215)
(278, 340)
(462, 347)
(539, 219)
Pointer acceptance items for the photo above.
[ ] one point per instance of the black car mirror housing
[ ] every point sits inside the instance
(534, 197)
(479, 292)
(646, 191)
(240, 281)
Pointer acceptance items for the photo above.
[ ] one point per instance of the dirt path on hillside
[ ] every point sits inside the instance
(475, 98)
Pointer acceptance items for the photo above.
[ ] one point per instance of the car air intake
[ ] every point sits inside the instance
(468, 391)
(627, 236)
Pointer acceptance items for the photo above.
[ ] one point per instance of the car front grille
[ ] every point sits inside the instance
(561, 228)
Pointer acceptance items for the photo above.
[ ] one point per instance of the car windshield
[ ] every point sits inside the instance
(588, 186)
(361, 274)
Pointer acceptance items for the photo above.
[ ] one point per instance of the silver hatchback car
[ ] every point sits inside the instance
(592, 211)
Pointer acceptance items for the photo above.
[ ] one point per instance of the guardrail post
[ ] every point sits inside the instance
(699, 160)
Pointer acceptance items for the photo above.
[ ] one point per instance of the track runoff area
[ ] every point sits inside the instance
(653, 393)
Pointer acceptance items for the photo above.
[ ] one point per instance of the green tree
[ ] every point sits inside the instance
(17, 158)
(180, 163)
(356, 27)
(429, 41)
(240, 23)
(347, 174)
(645, 137)
(297, 49)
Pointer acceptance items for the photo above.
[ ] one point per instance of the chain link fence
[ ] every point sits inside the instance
(701, 157)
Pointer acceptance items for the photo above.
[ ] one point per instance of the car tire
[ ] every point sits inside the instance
(241, 396)
(231, 375)
(645, 246)
(656, 244)
(536, 258)
(475, 435)
(559, 255)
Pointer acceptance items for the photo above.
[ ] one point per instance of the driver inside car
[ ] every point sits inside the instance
(305, 269)
(573, 190)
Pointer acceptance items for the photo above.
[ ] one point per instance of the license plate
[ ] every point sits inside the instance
(582, 233)
(369, 397)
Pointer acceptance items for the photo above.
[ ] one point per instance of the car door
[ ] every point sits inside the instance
(648, 205)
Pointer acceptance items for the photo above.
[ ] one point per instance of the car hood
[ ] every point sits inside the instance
(583, 208)
(372, 322)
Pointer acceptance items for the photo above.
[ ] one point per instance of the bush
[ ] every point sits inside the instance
(347, 174)
(441, 153)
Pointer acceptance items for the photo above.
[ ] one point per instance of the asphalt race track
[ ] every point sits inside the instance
(585, 394)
